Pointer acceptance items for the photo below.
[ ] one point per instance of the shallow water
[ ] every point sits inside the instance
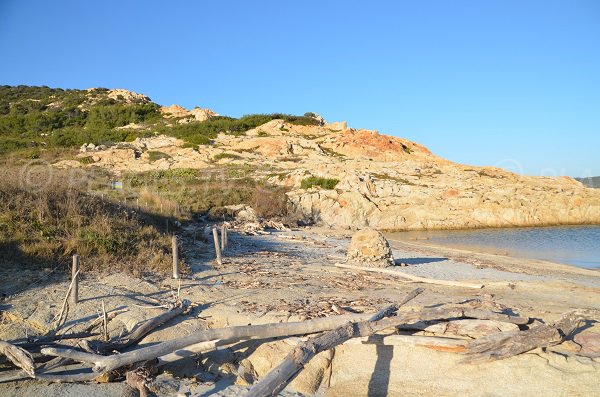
(573, 245)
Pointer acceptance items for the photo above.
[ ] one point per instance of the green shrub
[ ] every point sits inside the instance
(225, 155)
(155, 155)
(86, 160)
(325, 183)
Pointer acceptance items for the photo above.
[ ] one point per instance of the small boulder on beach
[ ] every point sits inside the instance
(370, 248)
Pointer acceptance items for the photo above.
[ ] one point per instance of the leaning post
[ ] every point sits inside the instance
(74, 298)
(217, 248)
(223, 238)
(175, 257)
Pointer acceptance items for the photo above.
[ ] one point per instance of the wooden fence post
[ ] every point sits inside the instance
(74, 276)
(217, 248)
(223, 238)
(175, 256)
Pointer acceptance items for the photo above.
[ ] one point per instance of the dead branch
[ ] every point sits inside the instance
(410, 276)
(138, 333)
(507, 344)
(19, 357)
(61, 318)
(263, 331)
(137, 381)
(279, 377)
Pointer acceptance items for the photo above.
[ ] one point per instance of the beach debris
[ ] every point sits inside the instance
(479, 328)
(369, 248)
(507, 344)
(396, 273)
(276, 380)
(19, 357)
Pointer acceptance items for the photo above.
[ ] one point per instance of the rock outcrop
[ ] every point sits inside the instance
(385, 182)
(186, 116)
(369, 248)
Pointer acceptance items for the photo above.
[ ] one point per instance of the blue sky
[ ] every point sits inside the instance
(509, 83)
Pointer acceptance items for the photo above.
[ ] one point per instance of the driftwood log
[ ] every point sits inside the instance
(263, 331)
(18, 356)
(138, 332)
(410, 276)
(507, 344)
(276, 380)
(50, 370)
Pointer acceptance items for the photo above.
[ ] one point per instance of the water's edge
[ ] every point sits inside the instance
(572, 245)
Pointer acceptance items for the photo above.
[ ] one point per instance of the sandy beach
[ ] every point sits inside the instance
(284, 276)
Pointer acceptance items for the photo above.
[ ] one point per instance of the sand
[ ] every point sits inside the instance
(287, 276)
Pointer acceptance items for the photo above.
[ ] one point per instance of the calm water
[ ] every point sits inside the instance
(574, 245)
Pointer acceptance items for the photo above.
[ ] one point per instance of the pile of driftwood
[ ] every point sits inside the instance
(94, 357)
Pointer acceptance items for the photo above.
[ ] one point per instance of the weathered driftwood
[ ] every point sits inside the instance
(138, 333)
(26, 343)
(136, 381)
(189, 351)
(469, 328)
(18, 356)
(276, 380)
(47, 371)
(508, 344)
(411, 277)
(107, 363)
(430, 342)
(61, 317)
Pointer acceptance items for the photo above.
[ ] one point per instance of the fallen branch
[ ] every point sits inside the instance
(507, 344)
(410, 276)
(429, 342)
(61, 318)
(276, 380)
(137, 334)
(19, 357)
(263, 331)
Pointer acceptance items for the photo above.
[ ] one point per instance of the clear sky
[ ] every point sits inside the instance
(508, 83)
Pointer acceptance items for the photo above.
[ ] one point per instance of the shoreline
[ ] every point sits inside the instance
(469, 240)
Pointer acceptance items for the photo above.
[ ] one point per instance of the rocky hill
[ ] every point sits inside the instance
(334, 175)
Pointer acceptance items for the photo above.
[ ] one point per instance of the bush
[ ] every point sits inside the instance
(226, 156)
(45, 226)
(154, 156)
(325, 183)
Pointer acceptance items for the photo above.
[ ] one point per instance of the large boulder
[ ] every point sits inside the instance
(370, 248)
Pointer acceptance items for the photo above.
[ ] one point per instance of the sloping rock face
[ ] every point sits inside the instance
(385, 182)
(403, 370)
(369, 248)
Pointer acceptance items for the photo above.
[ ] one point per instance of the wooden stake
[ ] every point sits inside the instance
(217, 248)
(223, 238)
(74, 297)
(104, 322)
(175, 257)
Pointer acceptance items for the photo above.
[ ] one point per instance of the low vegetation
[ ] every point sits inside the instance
(226, 155)
(201, 133)
(324, 183)
(43, 222)
(48, 117)
(43, 117)
(197, 191)
(156, 155)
